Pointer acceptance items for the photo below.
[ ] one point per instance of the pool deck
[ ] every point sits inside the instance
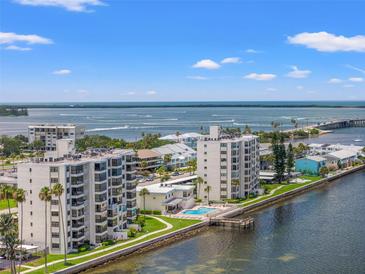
(218, 209)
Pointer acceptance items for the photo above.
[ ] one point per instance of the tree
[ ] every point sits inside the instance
(199, 181)
(144, 164)
(6, 193)
(9, 239)
(161, 170)
(193, 166)
(207, 190)
(19, 196)
(323, 171)
(37, 145)
(58, 190)
(247, 130)
(45, 195)
(165, 177)
(144, 191)
(167, 158)
(278, 148)
(289, 161)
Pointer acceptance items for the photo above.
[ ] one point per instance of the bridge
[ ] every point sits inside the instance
(336, 124)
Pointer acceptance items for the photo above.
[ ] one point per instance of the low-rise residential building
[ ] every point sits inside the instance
(310, 164)
(50, 133)
(179, 154)
(229, 166)
(190, 139)
(323, 149)
(98, 203)
(343, 158)
(148, 160)
(166, 197)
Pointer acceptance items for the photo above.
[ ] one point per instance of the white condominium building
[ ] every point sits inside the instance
(228, 165)
(98, 202)
(50, 133)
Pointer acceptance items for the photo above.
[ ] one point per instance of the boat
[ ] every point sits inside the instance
(358, 140)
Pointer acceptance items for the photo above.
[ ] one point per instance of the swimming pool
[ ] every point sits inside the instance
(199, 211)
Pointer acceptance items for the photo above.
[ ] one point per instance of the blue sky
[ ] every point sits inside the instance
(100, 50)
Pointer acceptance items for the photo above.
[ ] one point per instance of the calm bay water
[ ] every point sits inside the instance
(319, 232)
(129, 123)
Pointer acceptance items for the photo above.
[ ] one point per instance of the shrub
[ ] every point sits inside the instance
(108, 242)
(252, 195)
(132, 232)
(83, 248)
(154, 212)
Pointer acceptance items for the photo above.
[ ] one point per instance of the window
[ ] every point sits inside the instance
(31, 235)
(31, 224)
(54, 213)
(55, 224)
(31, 202)
(31, 213)
(30, 169)
(54, 169)
(55, 245)
(30, 181)
(30, 191)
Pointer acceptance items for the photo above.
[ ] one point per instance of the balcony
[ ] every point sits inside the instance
(101, 229)
(78, 235)
(100, 208)
(100, 219)
(78, 225)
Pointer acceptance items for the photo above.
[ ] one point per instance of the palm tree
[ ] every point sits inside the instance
(45, 195)
(19, 196)
(58, 190)
(199, 182)
(9, 238)
(144, 191)
(207, 190)
(6, 193)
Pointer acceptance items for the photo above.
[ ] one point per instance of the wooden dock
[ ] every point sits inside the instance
(246, 223)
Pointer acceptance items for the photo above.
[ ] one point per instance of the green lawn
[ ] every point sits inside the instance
(4, 204)
(151, 225)
(285, 188)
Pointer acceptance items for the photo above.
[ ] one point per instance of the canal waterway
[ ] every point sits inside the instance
(321, 231)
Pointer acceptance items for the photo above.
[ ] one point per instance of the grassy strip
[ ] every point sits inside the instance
(177, 224)
(285, 188)
(151, 226)
(4, 204)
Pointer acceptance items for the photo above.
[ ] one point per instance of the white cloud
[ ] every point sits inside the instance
(327, 42)
(82, 92)
(252, 51)
(11, 38)
(297, 73)
(300, 87)
(335, 81)
(356, 79)
(356, 68)
(71, 5)
(271, 89)
(260, 77)
(13, 47)
(206, 64)
(231, 60)
(151, 92)
(131, 93)
(62, 72)
(197, 77)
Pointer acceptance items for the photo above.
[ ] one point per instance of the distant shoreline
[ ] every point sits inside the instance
(191, 105)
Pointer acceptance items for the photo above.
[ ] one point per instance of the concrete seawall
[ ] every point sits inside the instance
(288, 195)
(129, 250)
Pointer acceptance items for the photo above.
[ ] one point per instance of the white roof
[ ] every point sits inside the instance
(176, 150)
(316, 158)
(343, 154)
(164, 189)
(156, 189)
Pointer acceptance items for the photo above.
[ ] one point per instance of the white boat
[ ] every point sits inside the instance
(358, 140)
